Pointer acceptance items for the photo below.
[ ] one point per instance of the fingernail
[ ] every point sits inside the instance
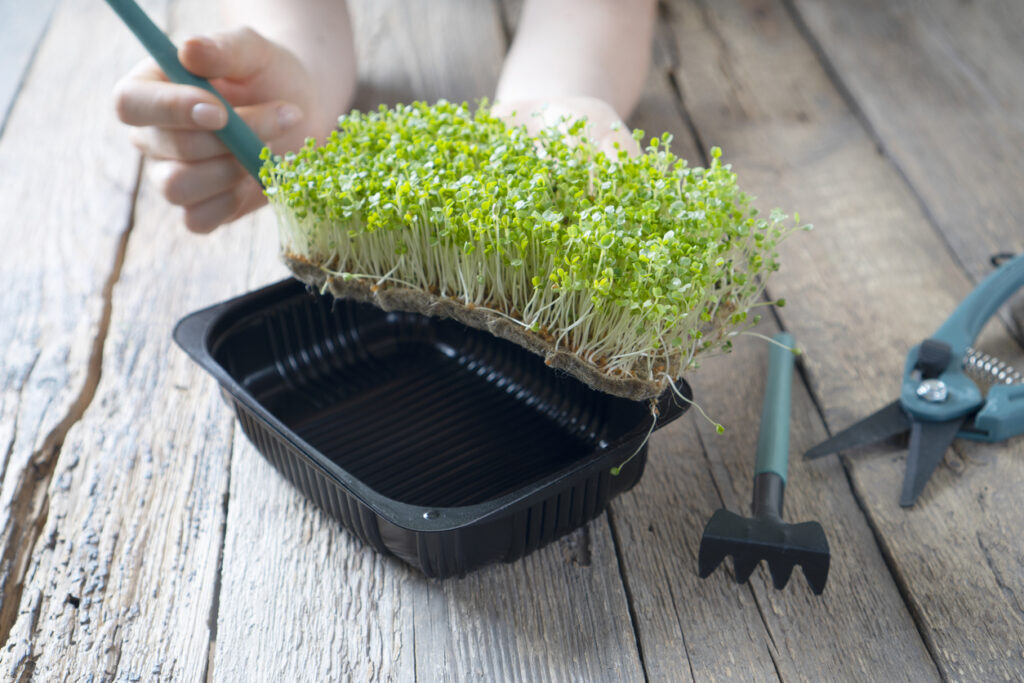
(288, 115)
(209, 116)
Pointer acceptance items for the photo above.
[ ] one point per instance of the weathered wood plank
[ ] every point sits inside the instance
(23, 26)
(409, 49)
(940, 85)
(860, 625)
(340, 610)
(870, 281)
(721, 628)
(122, 581)
(65, 208)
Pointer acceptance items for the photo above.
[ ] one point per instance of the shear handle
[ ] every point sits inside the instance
(962, 327)
(1002, 416)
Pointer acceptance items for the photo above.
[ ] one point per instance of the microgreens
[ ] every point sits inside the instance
(636, 264)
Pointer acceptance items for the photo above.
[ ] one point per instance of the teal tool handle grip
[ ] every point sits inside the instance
(962, 327)
(1002, 416)
(773, 438)
(236, 136)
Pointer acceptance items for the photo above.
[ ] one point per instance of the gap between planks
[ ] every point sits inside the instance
(27, 24)
(833, 115)
(837, 82)
(841, 87)
(30, 508)
(876, 533)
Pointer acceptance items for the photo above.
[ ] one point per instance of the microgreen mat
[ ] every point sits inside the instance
(636, 264)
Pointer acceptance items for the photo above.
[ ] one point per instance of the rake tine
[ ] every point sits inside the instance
(743, 566)
(816, 573)
(780, 571)
(710, 556)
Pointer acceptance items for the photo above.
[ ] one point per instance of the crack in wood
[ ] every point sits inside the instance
(211, 621)
(664, 52)
(13, 431)
(31, 503)
(680, 104)
(726, 62)
(1011, 597)
(679, 623)
(832, 73)
(17, 402)
(887, 557)
(25, 24)
(630, 604)
(717, 469)
(505, 21)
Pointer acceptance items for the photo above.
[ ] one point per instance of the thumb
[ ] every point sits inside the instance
(234, 54)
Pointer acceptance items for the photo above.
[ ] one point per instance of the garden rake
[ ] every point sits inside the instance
(765, 536)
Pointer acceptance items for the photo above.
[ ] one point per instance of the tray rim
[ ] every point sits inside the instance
(193, 333)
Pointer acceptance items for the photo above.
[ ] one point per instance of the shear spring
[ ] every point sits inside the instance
(982, 367)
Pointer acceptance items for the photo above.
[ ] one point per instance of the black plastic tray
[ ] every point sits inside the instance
(429, 440)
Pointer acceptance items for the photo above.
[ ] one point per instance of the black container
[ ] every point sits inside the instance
(429, 440)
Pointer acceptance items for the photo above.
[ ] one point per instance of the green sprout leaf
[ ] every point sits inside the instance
(635, 264)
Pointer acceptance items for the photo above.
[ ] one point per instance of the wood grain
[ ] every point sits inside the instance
(939, 85)
(141, 535)
(24, 24)
(873, 279)
(123, 579)
(451, 50)
(124, 584)
(859, 627)
(69, 174)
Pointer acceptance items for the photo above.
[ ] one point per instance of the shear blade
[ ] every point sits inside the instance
(879, 426)
(929, 442)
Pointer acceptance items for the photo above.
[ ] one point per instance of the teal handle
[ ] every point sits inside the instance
(236, 135)
(1002, 416)
(962, 327)
(773, 437)
(960, 331)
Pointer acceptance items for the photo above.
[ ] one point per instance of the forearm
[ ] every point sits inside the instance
(593, 48)
(318, 33)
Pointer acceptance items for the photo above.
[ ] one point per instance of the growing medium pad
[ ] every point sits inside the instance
(618, 271)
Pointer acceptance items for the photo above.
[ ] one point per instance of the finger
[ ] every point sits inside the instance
(177, 145)
(235, 54)
(146, 70)
(252, 199)
(170, 105)
(187, 184)
(268, 121)
(224, 207)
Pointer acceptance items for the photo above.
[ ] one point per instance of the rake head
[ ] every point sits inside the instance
(765, 537)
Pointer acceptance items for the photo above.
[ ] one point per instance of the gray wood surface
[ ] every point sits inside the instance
(68, 173)
(759, 632)
(22, 24)
(870, 281)
(939, 85)
(143, 537)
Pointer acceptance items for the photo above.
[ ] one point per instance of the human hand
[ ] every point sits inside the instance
(604, 126)
(271, 91)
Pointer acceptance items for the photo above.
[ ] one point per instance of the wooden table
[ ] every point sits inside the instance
(143, 537)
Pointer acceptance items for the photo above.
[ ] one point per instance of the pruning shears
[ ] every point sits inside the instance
(938, 401)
